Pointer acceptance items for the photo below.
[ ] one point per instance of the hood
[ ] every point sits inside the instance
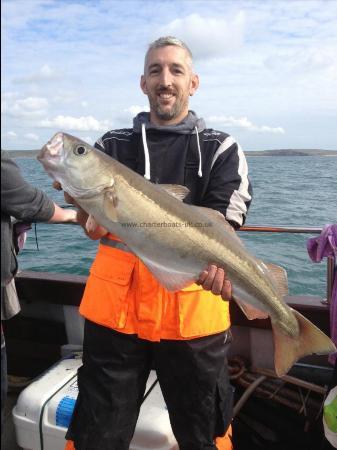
(189, 125)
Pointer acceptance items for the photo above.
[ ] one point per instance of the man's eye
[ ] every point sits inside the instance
(178, 71)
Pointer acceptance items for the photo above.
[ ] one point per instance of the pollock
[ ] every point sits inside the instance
(176, 241)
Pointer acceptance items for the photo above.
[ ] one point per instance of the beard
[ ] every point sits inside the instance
(167, 114)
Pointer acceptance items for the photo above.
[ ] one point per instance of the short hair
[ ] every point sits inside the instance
(164, 42)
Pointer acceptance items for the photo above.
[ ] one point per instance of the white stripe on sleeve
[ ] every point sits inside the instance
(228, 142)
(237, 204)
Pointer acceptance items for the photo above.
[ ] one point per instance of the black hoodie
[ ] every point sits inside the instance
(209, 162)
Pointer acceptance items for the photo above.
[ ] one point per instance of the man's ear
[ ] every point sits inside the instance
(143, 84)
(194, 84)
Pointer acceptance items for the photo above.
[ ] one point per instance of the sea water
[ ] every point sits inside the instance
(288, 191)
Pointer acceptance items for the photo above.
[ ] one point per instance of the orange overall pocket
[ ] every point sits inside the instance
(107, 294)
(201, 313)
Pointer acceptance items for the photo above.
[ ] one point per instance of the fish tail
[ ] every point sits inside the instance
(288, 349)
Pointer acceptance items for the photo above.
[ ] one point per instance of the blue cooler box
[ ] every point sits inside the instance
(44, 409)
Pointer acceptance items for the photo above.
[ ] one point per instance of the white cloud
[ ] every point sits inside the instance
(32, 136)
(208, 37)
(84, 123)
(263, 61)
(45, 73)
(9, 95)
(244, 123)
(65, 96)
(29, 107)
(121, 119)
(87, 139)
(33, 103)
(11, 135)
(6, 99)
(133, 110)
(308, 60)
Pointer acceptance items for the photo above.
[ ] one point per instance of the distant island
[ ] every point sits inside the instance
(249, 153)
(291, 152)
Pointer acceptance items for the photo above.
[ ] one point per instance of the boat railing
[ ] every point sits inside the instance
(331, 260)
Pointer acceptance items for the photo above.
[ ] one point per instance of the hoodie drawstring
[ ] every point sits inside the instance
(147, 174)
(199, 151)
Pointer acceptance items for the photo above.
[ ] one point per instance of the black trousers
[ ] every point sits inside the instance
(3, 378)
(192, 374)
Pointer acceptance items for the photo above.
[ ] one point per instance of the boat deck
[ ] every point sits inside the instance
(257, 426)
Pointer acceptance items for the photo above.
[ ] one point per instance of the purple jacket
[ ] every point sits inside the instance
(319, 247)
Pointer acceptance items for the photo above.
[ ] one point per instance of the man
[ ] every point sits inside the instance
(132, 322)
(23, 202)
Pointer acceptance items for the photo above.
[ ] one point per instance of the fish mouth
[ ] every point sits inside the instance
(52, 152)
(53, 157)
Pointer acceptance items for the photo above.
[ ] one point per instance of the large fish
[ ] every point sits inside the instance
(176, 241)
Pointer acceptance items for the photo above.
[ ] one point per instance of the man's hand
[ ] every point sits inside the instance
(67, 197)
(214, 279)
(57, 186)
(94, 231)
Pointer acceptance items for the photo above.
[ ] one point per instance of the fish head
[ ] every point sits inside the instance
(81, 169)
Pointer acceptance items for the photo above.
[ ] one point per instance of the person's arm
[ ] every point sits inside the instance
(25, 202)
(63, 215)
(82, 217)
(94, 233)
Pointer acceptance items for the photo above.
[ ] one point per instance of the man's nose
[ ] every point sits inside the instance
(165, 78)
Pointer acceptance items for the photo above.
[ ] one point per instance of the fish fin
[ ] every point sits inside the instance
(170, 280)
(288, 350)
(279, 276)
(175, 190)
(91, 224)
(250, 311)
(110, 204)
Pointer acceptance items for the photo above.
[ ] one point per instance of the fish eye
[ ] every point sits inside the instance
(80, 150)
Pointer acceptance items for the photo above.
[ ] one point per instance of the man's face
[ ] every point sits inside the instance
(168, 82)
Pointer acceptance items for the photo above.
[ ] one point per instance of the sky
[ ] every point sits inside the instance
(268, 69)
